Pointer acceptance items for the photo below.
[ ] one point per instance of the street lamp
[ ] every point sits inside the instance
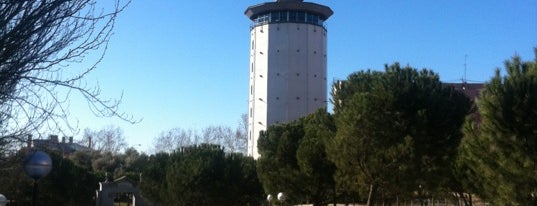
(420, 195)
(3, 200)
(281, 197)
(37, 165)
(269, 199)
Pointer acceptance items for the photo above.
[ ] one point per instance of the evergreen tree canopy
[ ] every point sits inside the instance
(312, 158)
(277, 168)
(201, 175)
(499, 151)
(397, 130)
(66, 185)
(294, 160)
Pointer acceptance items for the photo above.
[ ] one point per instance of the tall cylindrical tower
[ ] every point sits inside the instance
(287, 63)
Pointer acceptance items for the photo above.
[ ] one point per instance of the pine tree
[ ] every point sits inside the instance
(499, 151)
(397, 131)
(294, 161)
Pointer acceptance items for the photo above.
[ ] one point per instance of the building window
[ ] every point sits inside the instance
(309, 17)
(275, 17)
(288, 16)
(292, 16)
(301, 16)
(284, 16)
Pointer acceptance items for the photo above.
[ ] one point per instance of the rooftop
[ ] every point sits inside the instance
(288, 5)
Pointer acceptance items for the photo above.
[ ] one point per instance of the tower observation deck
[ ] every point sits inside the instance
(282, 11)
(287, 64)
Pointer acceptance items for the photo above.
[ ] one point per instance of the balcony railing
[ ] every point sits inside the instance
(288, 17)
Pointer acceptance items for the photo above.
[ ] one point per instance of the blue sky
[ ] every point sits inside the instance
(185, 63)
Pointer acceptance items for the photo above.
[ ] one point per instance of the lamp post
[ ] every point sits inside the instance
(281, 197)
(37, 165)
(420, 195)
(269, 199)
(3, 200)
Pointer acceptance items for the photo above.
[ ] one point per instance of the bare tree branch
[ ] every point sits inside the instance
(233, 141)
(40, 40)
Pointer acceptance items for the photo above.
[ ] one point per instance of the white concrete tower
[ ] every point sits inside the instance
(287, 64)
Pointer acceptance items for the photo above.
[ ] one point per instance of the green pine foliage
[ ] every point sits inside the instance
(201, 175)
(66, 185)
(153, 185)
(396, 130)
(294, 160)
(498, 157)
(277, 168)
(312, 158)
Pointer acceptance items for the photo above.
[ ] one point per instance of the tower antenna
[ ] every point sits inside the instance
(465, 58)
(464, 77)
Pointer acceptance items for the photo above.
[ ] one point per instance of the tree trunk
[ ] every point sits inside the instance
(335, 195)
(371, 196)
(467, 200)
(470, 199)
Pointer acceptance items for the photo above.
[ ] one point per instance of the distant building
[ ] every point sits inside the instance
(471, 90)
(288, 59)
(53, 143)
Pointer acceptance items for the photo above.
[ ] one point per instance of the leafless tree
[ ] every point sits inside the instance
(220, 135)
(172, 139)
(42, 46)
(108, 139)
(233, 141)
(241, 134)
